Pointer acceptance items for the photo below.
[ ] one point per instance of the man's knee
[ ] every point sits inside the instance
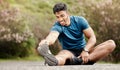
(112, 45)
(64, 54)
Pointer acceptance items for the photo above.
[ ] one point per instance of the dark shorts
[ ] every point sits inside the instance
(76, 53)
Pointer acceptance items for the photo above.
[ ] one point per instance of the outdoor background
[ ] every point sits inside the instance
(23, 23)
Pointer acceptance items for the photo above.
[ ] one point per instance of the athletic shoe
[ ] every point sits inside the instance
(45, 52)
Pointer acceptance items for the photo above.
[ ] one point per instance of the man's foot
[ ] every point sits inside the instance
(49, 58)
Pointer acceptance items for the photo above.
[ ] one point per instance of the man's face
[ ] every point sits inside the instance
(62, 17)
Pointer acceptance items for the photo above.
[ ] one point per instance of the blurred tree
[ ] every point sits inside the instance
(104, 18)
(16, 39)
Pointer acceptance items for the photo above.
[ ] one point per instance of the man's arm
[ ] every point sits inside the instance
(89, 33)
(51, 38)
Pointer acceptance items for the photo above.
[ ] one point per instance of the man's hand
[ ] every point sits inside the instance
(43, 42)
(84, 55)
(50, 39)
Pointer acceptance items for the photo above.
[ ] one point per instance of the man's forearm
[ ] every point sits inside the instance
(90, 44)
(52, 37)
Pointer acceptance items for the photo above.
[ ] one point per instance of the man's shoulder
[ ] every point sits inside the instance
(77, 17)
(56, 27)
(57, 23)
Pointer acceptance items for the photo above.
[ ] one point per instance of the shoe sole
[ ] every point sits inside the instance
(49, 58)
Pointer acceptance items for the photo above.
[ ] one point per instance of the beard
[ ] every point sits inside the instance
(65, 22)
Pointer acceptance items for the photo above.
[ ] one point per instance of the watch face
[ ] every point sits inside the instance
(86, 50)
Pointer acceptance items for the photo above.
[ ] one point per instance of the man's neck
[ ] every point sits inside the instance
(68, 22)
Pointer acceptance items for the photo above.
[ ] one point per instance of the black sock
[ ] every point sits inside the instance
(76, 61)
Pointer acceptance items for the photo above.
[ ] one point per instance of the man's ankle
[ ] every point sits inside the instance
(76, 61)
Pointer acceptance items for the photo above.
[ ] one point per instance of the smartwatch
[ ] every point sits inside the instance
(86, 50)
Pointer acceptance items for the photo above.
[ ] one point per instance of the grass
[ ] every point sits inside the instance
(106, 62)
(30, 58)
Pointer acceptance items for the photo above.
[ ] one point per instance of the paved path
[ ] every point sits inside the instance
(37, 65)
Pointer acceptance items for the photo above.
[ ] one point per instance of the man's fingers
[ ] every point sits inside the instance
(79, 56)
(85, 59)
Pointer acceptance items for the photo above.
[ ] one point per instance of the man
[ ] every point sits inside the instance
(71, 32)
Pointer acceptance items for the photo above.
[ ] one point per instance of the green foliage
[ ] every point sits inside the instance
(13, 26)
(104, 18)
(16, 38)
(11, 49)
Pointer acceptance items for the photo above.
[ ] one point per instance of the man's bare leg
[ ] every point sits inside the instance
(59, 59)
(97, 53)
(102, 50)
(62, 56)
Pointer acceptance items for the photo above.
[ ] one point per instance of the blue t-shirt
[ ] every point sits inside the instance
(72, 36)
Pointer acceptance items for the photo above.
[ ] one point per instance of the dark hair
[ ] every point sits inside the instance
(59, 7)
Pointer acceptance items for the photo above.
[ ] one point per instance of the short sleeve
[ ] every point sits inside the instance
(57, 27)
(82, 22)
